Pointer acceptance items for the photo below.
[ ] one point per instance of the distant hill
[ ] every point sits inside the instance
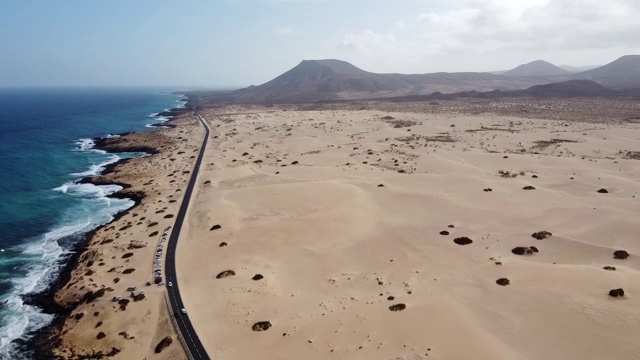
(329, 80)
(317, 80)
(536, 68)
(564, 89)
(619, 74)
(571, 88)
(577, 69)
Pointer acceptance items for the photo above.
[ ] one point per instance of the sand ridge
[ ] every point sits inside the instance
(340, 210)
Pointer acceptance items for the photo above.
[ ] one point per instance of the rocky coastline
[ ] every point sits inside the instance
(41, 343)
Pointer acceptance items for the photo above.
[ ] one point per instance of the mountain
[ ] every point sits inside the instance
(536, 68)
(577, 69)
(321, 80)
(331, 80)
(619, 74)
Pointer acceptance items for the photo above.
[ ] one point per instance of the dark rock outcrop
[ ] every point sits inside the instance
(503, 281)
(462, 240)
(541, 235)
(522, 250)
(616, 292)
(261, 326)
(225, 274)
(620, 254)
(164, 343)
(397, 307)
(215, 227)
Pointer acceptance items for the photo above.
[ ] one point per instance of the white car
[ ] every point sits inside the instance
(183, 310)
(169, 284)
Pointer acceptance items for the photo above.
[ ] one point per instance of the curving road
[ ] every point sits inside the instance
(194, 347)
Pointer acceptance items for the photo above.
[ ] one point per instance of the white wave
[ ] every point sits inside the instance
(43, 256)
(87, 145)
(96, 169)
(109, 136)
(88, 190)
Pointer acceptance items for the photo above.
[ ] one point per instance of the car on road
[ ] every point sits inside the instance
(183, 310)
(169, 284)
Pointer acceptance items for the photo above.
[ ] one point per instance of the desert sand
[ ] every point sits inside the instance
(393, 231)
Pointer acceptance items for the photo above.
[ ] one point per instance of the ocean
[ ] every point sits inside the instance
(45, 145)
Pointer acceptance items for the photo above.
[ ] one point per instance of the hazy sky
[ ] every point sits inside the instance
(243, 42)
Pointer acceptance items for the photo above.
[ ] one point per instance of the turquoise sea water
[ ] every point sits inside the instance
(45, 144)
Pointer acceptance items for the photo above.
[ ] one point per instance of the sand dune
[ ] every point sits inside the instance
(340, 213)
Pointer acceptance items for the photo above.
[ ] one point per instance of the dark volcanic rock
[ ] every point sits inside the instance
(616, 293)
(163, 344)
(610, 268)
(127, 255)
(620, 254)
(225, 274)
(503, 281)
(521, 250)
(90, 295)
(223, 244)
(529, 187)
(397, 307)
(391, 298)
(541, 235)
(128, 271)
(153, 234)
(215, 227)
(257, 277)
(487, 189)
(102, 335)
(462, 240)
(603, 191)
(380, 185)
(444, 232)
(261, 326)
(123, 304)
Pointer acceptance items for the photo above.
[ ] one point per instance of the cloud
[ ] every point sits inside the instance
(283, 31)
(499, 29)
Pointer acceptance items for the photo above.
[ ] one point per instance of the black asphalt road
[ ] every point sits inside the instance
(194, 346)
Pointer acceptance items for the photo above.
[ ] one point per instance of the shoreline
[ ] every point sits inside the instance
(42, 342)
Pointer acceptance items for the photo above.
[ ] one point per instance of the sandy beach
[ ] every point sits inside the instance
(394, 231)
(375, 230)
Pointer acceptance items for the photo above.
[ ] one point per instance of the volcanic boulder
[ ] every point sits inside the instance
(261, 326)
(616, 293)
(541, 235)
(462, 240)
(620, 254)
(225, 274)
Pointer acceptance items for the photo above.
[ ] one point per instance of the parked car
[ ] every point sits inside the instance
(169, 284)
